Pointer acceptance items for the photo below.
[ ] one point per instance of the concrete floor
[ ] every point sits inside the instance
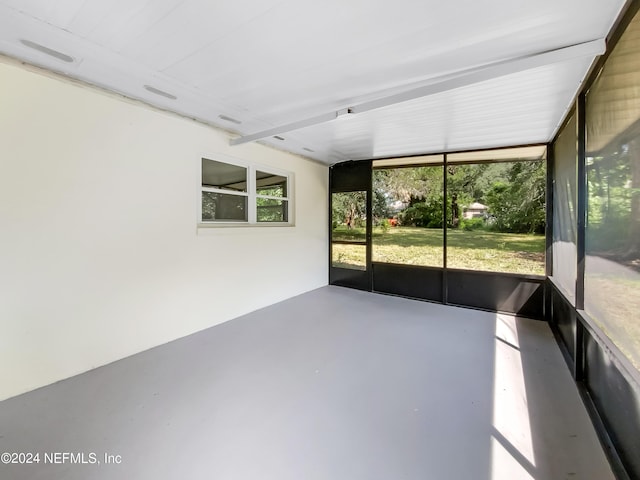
(335, 384)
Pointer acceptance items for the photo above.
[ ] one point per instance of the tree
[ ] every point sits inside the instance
(401, 184)
(417, 189)
(423, 213)
(613, 177)
(380, 206)
(513, 191)
(517, 204)
(349, 208)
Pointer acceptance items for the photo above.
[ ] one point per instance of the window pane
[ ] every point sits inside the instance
(408, 216)
(612, 264)
(271, 210)
(564, 210)
(349, 219)
(271, 185)
(223, 176)
(220, 206)
(349, 256)
(496, 217)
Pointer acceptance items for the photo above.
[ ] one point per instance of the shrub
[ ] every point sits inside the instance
(423, 214)
(470, 224)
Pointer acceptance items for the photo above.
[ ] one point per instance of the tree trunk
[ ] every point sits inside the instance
(455, 211)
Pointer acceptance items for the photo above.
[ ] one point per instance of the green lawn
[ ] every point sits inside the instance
(474, 250)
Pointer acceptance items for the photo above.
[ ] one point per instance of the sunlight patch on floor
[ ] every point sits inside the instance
(512, 454)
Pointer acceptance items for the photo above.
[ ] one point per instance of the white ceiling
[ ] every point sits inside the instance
(269, 63)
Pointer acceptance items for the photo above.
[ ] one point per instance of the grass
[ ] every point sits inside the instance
(473, 250)
(611, 300)
(614, 304)
(349, 256)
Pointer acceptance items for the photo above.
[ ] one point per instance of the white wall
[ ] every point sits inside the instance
(100, 256)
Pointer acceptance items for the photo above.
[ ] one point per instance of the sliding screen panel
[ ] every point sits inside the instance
(350, 205)
(564, 210)
(612, 263)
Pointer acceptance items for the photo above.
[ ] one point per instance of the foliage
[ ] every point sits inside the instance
(471, 182)
(209, 205)
(427, 213)
(518, 205)
(348, 208)
(402, 184)
(271, 210)
(221, 206)
(272, 190)
(614, 202)
(384, 225)
(380, 207)
(418, 189)
(471, 224)
(513, 191)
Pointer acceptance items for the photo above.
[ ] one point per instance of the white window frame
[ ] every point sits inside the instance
(250, 194)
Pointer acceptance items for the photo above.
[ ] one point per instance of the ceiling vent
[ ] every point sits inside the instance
(229, 119)
(47, 51)
(162, 93)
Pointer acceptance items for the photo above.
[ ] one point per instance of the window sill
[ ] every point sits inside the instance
(214, 225)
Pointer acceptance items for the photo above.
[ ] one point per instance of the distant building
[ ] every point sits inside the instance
(475, 210)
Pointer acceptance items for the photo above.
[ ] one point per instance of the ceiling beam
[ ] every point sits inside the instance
(443, 84)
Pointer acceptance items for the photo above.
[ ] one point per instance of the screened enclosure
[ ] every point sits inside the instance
(546, 231)
(594, 283)
(463, 228)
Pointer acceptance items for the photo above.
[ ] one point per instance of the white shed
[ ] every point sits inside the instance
(475, 210)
